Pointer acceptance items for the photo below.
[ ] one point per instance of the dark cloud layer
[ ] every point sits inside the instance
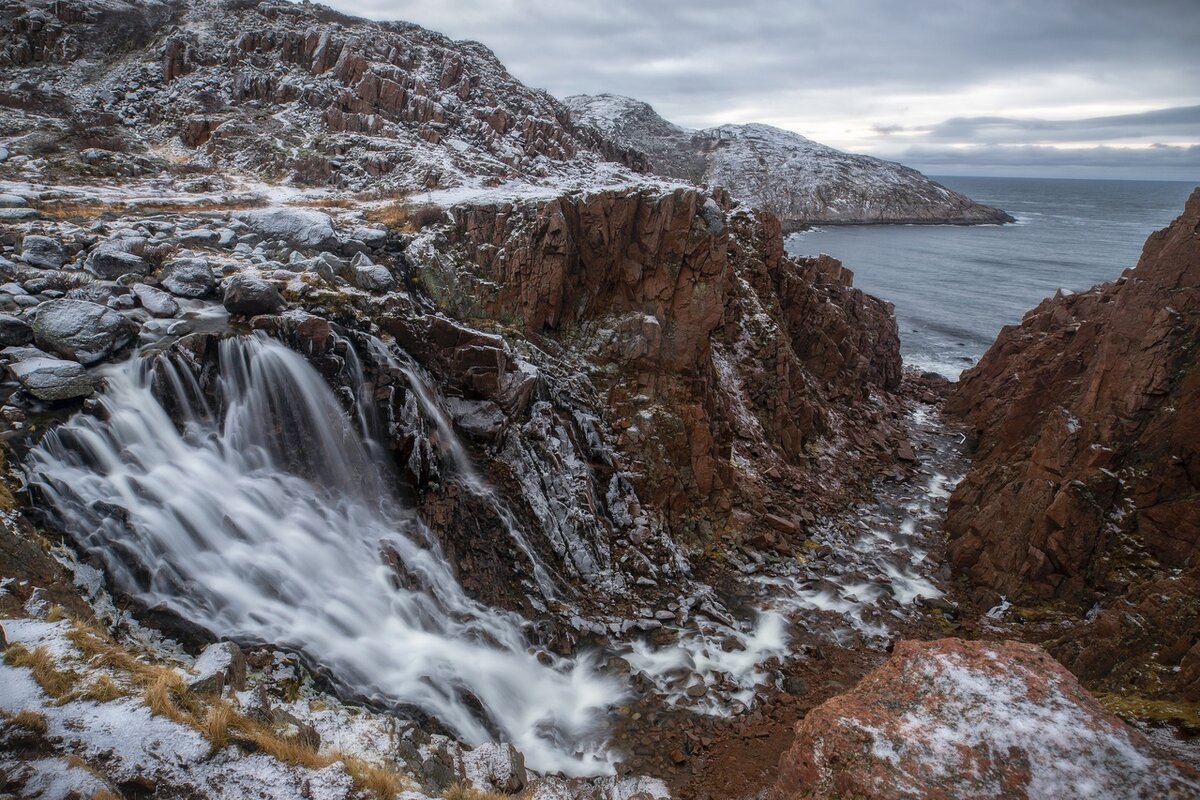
(872, 75)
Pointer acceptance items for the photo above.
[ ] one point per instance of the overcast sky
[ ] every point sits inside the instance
(1088, 88)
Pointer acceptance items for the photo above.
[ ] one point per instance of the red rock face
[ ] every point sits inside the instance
(1087, 470)
(956, 719)
(703, 339)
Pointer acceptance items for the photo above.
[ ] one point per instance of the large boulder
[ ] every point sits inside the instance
(111, 262)
(955, 719)
(46, 377)
(46, 252)
(250, 295)
(374, 278)
(156, 301)
(81, 330)
(299, 227)
(188, 277)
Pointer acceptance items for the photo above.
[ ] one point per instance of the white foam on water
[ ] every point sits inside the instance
(264, 518)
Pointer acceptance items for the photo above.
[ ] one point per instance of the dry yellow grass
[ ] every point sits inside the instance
(78, 210)
(465, 791)
(55, 682)
(166, 694)
(104, 794)
(102, 690)
(216, 724)
(323, 202)
(393, 215)
(29, 720)
(376, 781)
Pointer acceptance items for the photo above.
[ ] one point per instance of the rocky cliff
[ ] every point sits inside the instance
(280, 91)
(1084, 489)
(799, 180)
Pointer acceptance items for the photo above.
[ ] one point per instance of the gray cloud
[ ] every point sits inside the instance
(856, 74)
(1148, 126)
(1165, 162)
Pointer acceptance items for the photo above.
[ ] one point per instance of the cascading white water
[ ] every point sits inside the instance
(266, 519)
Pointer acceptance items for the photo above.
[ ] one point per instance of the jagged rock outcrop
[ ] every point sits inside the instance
(797, 179)
(701, 335)
(1088, 423)
(955, 719)
(281, 90)
(1085, 487)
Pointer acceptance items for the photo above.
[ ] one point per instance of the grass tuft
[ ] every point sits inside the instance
(465, 791)
(102, 690)
(379, 782)
(216, 724)
(55, 682)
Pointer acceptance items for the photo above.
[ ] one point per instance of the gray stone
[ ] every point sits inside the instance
(495, 768)
(122, 302)
(156, 301)
(188, 277)
(374, 278)
(299, 227)
(12, 201)
(82, 330)
(226, 237)
(3, 154)
(111, 263)
(373, 238)
(250, 295)
(219, 666)
(13, 289)
(18, 214)
(200, 236)
(49, 378)
(14, 331)
(479, 419)
(43, 251)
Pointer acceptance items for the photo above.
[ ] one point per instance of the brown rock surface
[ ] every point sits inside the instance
(720, 360)
(1088, 423)
(955, 719)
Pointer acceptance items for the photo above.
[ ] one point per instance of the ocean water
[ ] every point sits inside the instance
(955, 287)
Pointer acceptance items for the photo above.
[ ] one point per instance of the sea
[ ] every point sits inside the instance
(955, 287)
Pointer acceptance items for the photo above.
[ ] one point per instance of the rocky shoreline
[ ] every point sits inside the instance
(513, 471)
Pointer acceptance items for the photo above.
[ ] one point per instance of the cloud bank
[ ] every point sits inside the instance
(1004, 84)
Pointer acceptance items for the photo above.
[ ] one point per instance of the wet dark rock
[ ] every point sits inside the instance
(49, 378)
(156, 301)
(188, 277)
(111, 263)
(43, 251)
(479, 419)
(81, 330)
(14, 331)
(374, 278)
(246, 294)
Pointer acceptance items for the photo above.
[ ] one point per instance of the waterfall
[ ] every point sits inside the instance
(264, 517)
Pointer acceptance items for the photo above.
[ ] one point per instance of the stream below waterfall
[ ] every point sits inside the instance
(263, 511)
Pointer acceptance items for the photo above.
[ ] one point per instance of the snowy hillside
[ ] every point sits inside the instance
(800, 180)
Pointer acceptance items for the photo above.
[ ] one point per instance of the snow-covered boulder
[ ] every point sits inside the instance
(956, 719)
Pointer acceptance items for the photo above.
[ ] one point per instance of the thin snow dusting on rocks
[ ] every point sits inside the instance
(955, 719)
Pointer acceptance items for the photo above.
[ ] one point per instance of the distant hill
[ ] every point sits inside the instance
(802, 181)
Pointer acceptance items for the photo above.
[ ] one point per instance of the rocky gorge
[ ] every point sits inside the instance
(374, 428)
